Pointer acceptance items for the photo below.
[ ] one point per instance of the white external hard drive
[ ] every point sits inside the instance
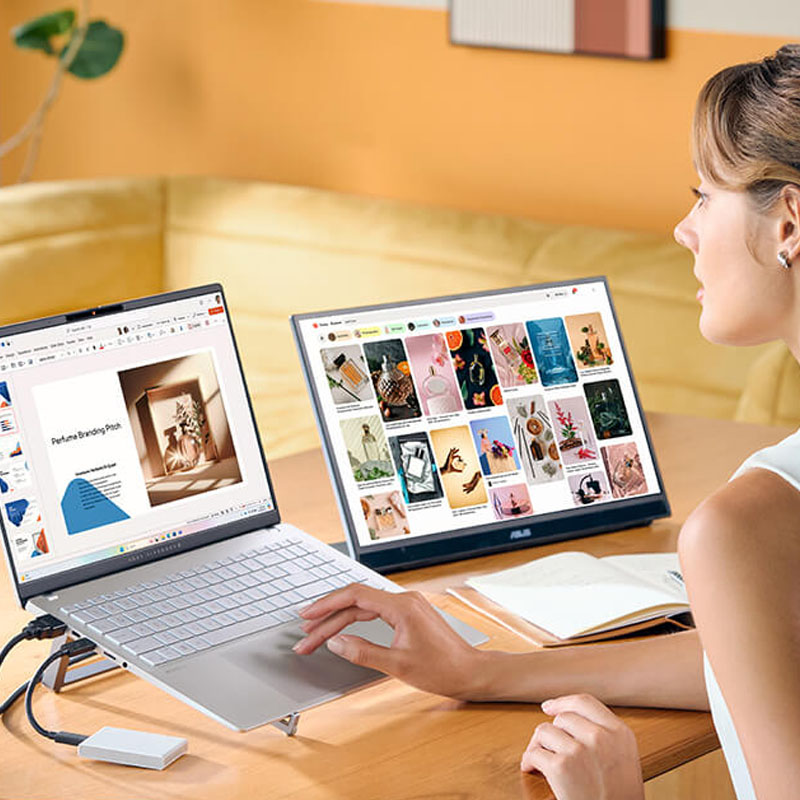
(132, 748)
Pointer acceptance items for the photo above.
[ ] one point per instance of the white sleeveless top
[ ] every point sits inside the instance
(784, 460)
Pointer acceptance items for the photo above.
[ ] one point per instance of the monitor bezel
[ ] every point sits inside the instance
(493, 537)
(123, 561)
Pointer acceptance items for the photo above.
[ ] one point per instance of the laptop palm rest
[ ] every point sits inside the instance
(265, 680)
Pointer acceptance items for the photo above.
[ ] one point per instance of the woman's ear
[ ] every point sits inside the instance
(789, 223)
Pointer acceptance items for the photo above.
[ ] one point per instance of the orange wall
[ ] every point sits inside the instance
(373, 100)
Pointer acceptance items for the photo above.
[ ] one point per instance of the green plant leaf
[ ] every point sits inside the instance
(35, 34)
(99, 52)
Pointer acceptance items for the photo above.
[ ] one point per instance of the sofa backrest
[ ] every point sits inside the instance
(73, 244)
(283, 249)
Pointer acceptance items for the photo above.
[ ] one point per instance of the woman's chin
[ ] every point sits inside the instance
(723, 331)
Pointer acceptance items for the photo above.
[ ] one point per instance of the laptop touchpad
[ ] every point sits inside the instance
(270, 658)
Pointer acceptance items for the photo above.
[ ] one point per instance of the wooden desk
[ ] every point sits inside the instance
(386, 741)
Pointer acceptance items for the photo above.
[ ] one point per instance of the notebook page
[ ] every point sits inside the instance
(660, 569)
(570, 593)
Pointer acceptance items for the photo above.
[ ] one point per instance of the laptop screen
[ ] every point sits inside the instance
(123, 432)
(470, 422)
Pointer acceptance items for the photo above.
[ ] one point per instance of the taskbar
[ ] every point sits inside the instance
(153, 537)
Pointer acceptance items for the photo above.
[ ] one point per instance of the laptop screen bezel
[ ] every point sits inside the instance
(488, 537)
(118, 563)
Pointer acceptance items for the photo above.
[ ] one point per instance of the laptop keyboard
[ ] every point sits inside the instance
(190, 611)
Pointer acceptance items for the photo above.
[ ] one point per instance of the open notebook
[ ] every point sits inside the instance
(574, 597)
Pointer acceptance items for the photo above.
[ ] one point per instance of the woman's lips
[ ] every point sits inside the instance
(699, 295)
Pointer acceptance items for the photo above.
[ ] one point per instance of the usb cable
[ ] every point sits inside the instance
(44, 627)
(115, 745)
(77, 648)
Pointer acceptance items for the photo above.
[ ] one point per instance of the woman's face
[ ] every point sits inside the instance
(745, 294)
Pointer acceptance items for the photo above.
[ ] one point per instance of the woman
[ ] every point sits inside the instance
(740, 549)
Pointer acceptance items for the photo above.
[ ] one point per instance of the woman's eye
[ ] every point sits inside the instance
(701, 196)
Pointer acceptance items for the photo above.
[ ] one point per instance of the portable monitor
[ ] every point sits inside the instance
(463, 425)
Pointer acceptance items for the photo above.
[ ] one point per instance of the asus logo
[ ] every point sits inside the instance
(520, 533)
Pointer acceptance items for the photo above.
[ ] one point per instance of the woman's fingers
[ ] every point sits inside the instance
(386, 605)
(318, 631)
(586, 706)
(554, 739)
(578, 727)
(365, 654)
(538, 758)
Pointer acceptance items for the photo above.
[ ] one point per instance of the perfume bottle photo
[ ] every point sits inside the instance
(477, 372)
(393, 385)
(369, 444)
(511, 356)
(384, 517)
(351, 373)
(438, 395)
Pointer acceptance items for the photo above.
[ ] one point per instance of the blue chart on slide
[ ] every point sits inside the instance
(4, 487)
(16, 511)
(85, 507)
(5, 395)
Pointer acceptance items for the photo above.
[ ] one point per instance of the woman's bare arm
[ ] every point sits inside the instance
(659, 671)
(664, 671)
(740, 552)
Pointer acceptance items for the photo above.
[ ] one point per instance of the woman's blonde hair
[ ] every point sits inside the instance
(746, 131)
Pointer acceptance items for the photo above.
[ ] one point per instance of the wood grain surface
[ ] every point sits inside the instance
(386, 741)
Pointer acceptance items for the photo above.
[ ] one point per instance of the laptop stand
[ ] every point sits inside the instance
(66, 670)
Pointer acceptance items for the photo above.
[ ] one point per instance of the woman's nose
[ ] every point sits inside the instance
(685, 235)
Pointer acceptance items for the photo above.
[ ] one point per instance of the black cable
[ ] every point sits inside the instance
(11, 644)
(45, 627)
(13, 697)
(22, 688)
(78, 647)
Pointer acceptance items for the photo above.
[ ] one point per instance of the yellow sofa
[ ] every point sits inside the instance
(282, 249)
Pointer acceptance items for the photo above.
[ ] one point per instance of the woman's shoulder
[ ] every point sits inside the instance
(782, 458)
(751, 517)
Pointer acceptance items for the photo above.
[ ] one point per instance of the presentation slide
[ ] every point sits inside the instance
(91, 451)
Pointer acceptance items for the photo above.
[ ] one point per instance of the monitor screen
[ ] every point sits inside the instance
(459, 425)
(123, 433)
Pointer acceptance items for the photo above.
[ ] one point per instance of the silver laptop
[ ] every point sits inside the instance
(136, 506)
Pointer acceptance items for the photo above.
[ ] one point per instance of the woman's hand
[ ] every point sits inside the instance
(586, 753)
(425, 651)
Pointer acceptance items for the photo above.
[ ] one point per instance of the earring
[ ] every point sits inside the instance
(783, 260)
